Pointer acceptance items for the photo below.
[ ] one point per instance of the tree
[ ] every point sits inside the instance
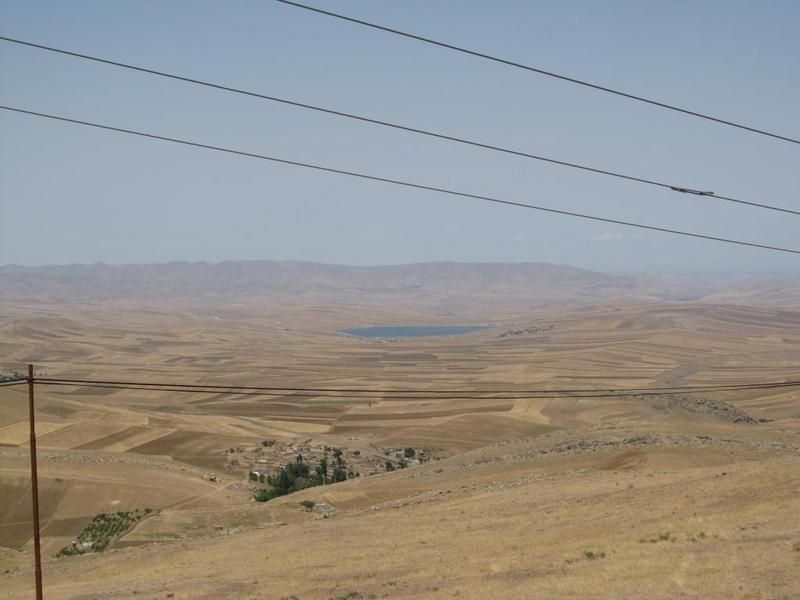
(389, 466)
(409, 452)
(307, 504)
(339, 474)
(297, 476)
(322, 470)
(263, 495)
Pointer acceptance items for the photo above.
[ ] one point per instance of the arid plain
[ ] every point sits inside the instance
(523, 497)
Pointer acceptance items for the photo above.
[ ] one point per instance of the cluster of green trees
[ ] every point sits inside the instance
(102, 529)
(408, 452)
(298, 476)
(257, 477)
(401, 464)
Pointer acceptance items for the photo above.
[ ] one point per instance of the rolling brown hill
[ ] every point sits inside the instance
(305, 280)
(435, 283)
(522, 497)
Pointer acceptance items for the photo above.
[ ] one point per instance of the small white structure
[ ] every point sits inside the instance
(81, 546)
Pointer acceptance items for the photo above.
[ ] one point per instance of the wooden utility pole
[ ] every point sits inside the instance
(35, 488)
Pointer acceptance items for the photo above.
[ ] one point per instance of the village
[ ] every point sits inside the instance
(272, 455)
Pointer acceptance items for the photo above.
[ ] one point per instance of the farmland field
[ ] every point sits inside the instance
(492, 459)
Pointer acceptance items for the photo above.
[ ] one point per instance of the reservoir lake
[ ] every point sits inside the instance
(393, 331)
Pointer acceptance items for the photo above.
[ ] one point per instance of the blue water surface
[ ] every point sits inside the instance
(392, 331)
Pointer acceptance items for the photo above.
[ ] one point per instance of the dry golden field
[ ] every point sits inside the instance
(527, 498)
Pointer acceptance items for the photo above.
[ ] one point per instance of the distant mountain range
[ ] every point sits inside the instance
(511, 283)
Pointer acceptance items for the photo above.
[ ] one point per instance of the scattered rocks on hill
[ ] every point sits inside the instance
(714, 408)
(589, 445)
(656, 439)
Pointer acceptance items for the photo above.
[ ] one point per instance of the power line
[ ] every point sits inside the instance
(404, 183)
(539, 71)
(541, 395)
(287, 389)
(10, 382)
(433, 134)
(493, 394)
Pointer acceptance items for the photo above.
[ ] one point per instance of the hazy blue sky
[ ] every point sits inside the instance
(75, 195)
